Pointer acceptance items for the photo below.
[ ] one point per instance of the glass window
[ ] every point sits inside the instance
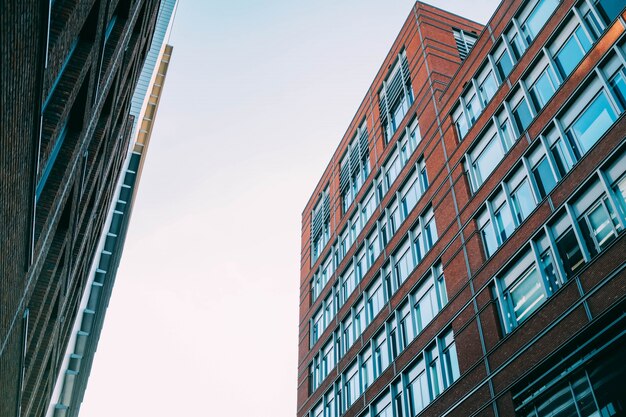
(382, 406)
(434, 370)
(591, 123)
(351, 385)
(426, 307)
(572, 52)
(537, 18)
(609, 9)
(504, 219)
(381, 352)
(367, 368)
(488, 235)
(407, 333)
(522, 115)
(487, 160)
(567, 246)
(373, 248)
(418, 396)
(488, 88)
(523, 201)
(618, 87)
(504, 64)
(473, 108)
(599, 225)
(375, 298)
(543, 88)
(450, 359)
(620, 191)
(404, 263)
(544, 177)
(527, 294)
(461, 124)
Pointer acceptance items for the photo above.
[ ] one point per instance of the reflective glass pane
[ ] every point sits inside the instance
(523, 200)
(487, 160)
(489, 239)
(544, 177)
(527, 295)
(618, 87)
(504, 65)
(504, 221)
(488, 88)
(538, 17)
(601, 226)
(592, 123)
(522, 115)
(569, 56)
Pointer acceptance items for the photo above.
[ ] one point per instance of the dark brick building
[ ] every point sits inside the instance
(463, 253)
(68, 70)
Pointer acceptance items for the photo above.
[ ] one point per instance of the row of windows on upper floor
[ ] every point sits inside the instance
(420, 307)
(381, 185)
(589, 19)
(395, 98)
(581, 229)
(499, 135)
(426, 377)
(566, 139)
(425, 233)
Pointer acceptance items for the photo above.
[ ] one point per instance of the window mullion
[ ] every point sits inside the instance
(503, 309)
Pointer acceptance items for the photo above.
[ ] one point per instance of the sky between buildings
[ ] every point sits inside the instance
(203, 320)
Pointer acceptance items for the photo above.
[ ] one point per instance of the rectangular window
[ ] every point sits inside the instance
(460, 122)
(418, 395)
(405, 321)
(544, 87)
(503, 60)
(569, 47)
(485, 156)
(487, 85)
(522, 115)
(375, 298)
(351, 385)
(367, 368)
(404, 262)
(487, 233)
(591, 123)
(567, 245)
(381, 353)
(537, 18)
(425, 304)
(541, 169)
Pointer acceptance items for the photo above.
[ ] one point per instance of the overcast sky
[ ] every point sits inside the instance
(203, 320)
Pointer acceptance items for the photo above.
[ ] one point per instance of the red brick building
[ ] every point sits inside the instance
(463, 253)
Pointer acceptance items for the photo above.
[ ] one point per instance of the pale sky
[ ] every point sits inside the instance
(203, 320)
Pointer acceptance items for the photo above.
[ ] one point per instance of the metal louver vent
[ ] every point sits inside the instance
(363, 144)
(464, 43)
